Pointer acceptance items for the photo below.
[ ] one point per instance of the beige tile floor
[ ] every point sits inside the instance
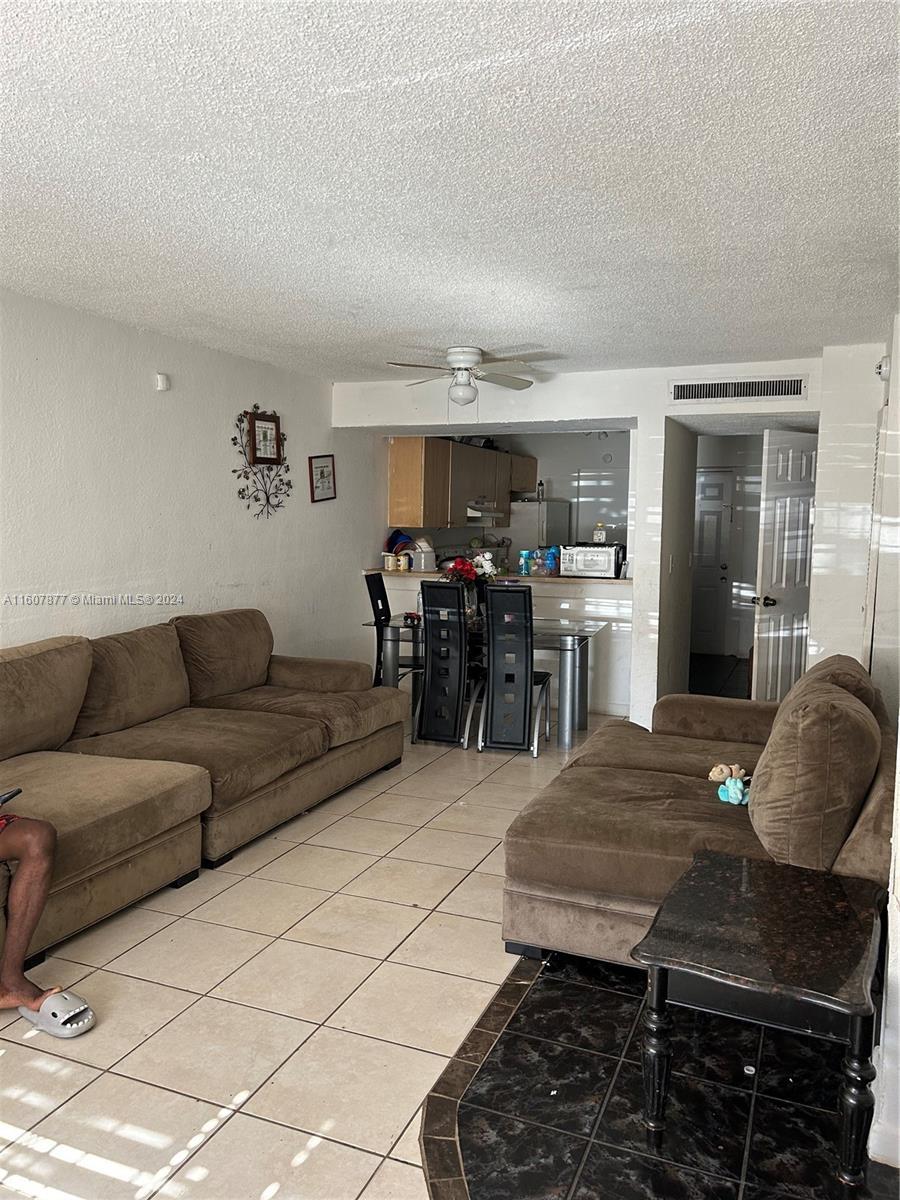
(273, 1027)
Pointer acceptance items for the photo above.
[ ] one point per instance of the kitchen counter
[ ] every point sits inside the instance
(392, 576)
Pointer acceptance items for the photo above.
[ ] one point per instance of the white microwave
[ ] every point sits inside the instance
(593, 562)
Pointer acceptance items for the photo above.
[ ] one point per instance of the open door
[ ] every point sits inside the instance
(781, 624)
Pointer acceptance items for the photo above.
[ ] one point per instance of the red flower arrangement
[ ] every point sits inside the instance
(461, 571)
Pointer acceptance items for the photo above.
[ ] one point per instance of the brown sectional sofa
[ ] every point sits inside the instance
(155, 749)
(589, 860)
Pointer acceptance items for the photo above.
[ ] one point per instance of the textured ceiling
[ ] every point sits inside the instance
(328, 185)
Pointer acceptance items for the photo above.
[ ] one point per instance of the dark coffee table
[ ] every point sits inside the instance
(780, 945)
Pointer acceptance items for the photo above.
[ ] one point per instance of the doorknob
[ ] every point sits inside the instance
(723, 566)
(768, 602)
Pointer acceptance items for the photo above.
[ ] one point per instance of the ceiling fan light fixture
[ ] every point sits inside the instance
(462, 390)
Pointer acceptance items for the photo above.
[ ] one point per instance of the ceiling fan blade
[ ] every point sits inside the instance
(507, 381)
(417, 382)
(420, 367)
(513, 364)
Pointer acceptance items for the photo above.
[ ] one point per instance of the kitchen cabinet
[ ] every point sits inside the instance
(502, 487)
(473, 479)
(523, 473)
(433, 482)
(419, 482)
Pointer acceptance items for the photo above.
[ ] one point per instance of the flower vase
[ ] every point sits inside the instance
(471, 601)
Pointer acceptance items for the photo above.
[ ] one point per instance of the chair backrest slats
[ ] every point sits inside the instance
(510, 663)
(381, 612)
(446, 656)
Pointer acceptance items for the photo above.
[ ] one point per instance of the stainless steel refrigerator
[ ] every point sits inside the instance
(535, 523)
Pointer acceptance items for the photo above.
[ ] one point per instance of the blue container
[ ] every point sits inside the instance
(551, 560)
(524, 562)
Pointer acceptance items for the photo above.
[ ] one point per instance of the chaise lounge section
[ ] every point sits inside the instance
(590, 859)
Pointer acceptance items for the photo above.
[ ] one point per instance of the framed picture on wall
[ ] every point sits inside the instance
(264, 438)
(321, 478)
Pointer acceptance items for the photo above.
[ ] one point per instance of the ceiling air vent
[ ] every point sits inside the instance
(737, 389)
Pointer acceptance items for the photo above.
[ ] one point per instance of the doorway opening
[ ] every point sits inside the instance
(753, 512)
(724, 563)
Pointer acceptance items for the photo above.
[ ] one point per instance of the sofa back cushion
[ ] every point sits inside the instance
(840, 670)
(42, 685)
(135, 677)
(225, 651)
(812, 777)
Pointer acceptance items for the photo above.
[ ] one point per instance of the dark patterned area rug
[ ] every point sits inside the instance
(543, 1102)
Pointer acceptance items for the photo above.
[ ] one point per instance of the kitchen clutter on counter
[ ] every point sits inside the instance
(403, 553)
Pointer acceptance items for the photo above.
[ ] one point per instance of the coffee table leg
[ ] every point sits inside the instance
(856, 1101)
(656, 1058)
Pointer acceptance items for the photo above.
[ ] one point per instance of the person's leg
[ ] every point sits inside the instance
(31, 844)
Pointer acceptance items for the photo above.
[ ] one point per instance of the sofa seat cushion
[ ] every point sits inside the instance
(814, 774)
(242, 751)
(348, 716)
(623, 744)
(103, 807)
(624, 833)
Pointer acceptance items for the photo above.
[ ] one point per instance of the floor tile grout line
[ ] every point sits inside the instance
(545, 1041)
(601, 1112)
(659, 1158)
(530, 1122)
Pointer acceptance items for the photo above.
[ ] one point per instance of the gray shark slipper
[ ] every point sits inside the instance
(62, 1015)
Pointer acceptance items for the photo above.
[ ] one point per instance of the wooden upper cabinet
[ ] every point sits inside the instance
(471, 480)
(419, 482)
(523, 473)
(502, 487)
(433, 482)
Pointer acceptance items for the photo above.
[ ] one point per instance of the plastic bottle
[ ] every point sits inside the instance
(540, 491)
(524, 562)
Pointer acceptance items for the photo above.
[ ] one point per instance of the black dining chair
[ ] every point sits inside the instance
(409, 665)
(510, 712)
(446, 662)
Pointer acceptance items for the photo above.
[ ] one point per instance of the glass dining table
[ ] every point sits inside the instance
(570, 637)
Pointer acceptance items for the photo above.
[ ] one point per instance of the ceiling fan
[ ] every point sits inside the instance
(466, 364)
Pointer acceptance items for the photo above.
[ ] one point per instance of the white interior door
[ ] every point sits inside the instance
(711, 579)
(787, 502)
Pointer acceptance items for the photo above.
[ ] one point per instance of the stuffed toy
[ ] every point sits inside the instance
(733, 783)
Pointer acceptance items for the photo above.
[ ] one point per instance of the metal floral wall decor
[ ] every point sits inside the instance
(264, 473)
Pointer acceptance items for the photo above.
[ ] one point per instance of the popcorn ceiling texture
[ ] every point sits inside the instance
(328, 185)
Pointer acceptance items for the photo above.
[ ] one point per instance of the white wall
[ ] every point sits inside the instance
(852, 397)
(675, 546)
(884, 1143)
(108, 486)
(886, 639)
(842, 389)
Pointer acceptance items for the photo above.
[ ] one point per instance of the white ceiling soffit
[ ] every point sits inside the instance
(328, 186)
